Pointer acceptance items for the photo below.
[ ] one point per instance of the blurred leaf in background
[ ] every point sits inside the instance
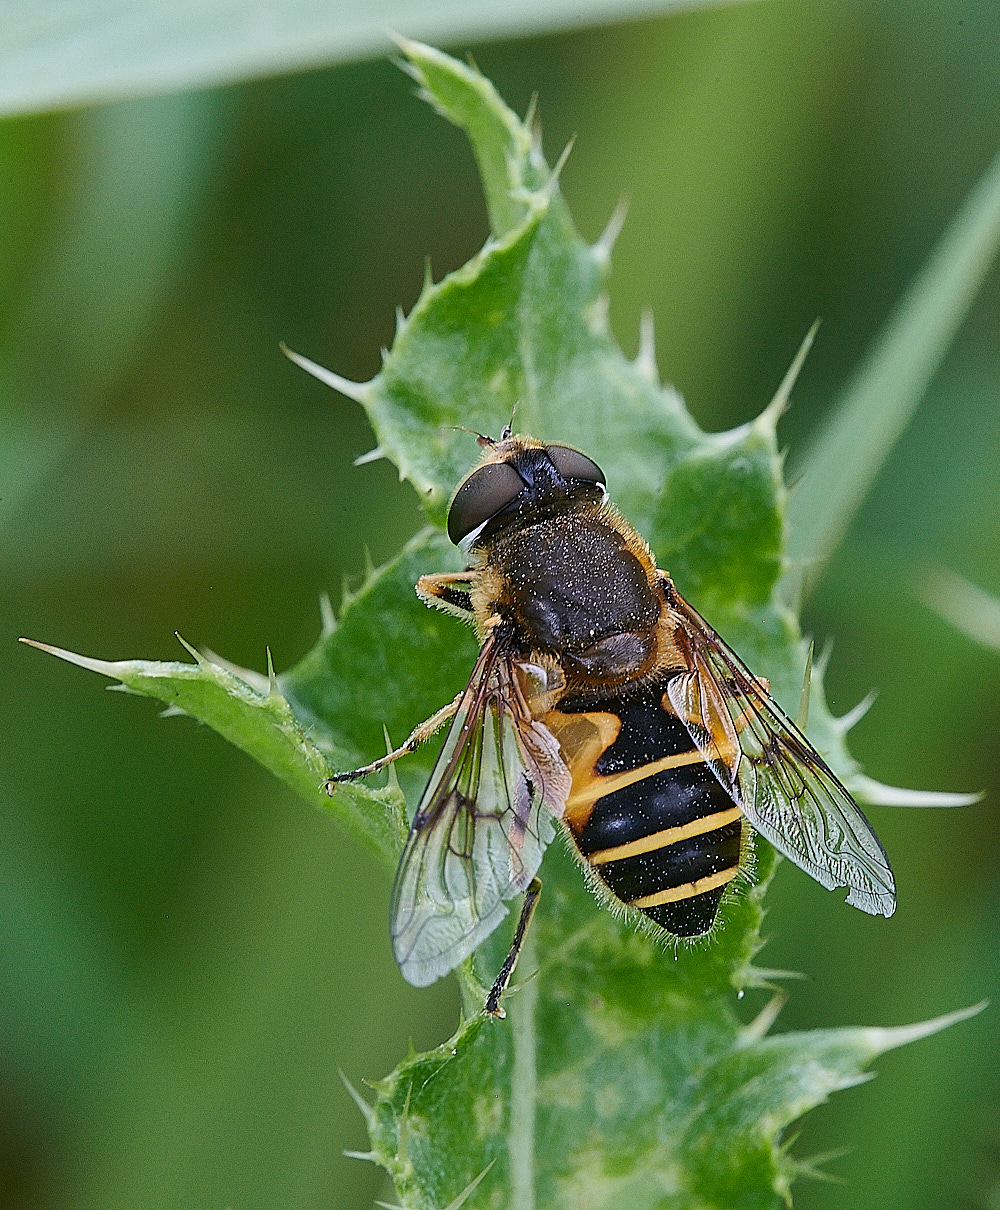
(171, 1016)
(102, 50)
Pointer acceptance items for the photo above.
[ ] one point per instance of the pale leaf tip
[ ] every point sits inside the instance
(358, 391)
(531, 113)
(761, 1024)
(560, 164)
(605, 244)
(763, 976)
(256, 680)
(392, 779)
(883, 1039)
(822, 661)
(645, 361)
(105, 667)
(412, 49)
(768, 419)
(876, 794)
(470, 1189)
(405, 44)
(200, 658)
(328, 619)
(845, 722)
(852, 1081)
(367, 1112)
(802, 718)
(808, 1167)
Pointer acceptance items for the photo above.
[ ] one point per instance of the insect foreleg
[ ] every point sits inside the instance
(417, 736)
(450, 591)
(493, 1008)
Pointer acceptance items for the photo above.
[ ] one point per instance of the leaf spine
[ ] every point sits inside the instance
(199, 657)
(358, 391)
(770, 416)
(645, 361)
(605, 243)
(328, 619)
(367, 1111)
(854, 716)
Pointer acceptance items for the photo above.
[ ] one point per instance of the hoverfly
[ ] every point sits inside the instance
(600, 699)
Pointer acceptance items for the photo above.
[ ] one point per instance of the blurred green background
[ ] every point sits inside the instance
(189, 954)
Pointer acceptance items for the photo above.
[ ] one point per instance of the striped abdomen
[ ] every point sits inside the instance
(647, 813)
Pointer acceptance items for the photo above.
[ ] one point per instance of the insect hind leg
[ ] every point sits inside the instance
(420, 734)
(493, 1008)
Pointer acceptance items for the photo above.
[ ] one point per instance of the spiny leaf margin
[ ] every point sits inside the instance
(602, 1050)
(635, 1071)
(258, 719)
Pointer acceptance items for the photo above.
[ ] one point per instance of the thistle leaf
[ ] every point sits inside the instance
(630, 1063)
(623, 1074)
(264, 726)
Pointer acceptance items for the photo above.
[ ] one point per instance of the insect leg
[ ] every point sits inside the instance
(417, 736)
(450, 591)
(531, 895)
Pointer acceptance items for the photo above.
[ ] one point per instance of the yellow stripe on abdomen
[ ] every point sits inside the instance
(687, 890)
(660, 840)
(595, 786)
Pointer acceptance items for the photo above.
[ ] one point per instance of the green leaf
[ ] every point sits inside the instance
(623, 1075)
(632, 1068)
(874, 409)
(93, 51)
(510, 162)
(387, 664)
(252, 713)
(382, 665)
(522, 327)
(970, 609)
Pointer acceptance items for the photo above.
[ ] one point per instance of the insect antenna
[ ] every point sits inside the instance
(481, 438)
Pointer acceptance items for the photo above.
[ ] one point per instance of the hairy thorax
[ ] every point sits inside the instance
(582, 586)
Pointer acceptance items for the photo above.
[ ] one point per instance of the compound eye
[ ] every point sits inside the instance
(571, 464)
(485, 492)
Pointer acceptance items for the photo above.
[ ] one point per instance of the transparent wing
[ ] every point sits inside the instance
(480, 830)
(779, 780)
